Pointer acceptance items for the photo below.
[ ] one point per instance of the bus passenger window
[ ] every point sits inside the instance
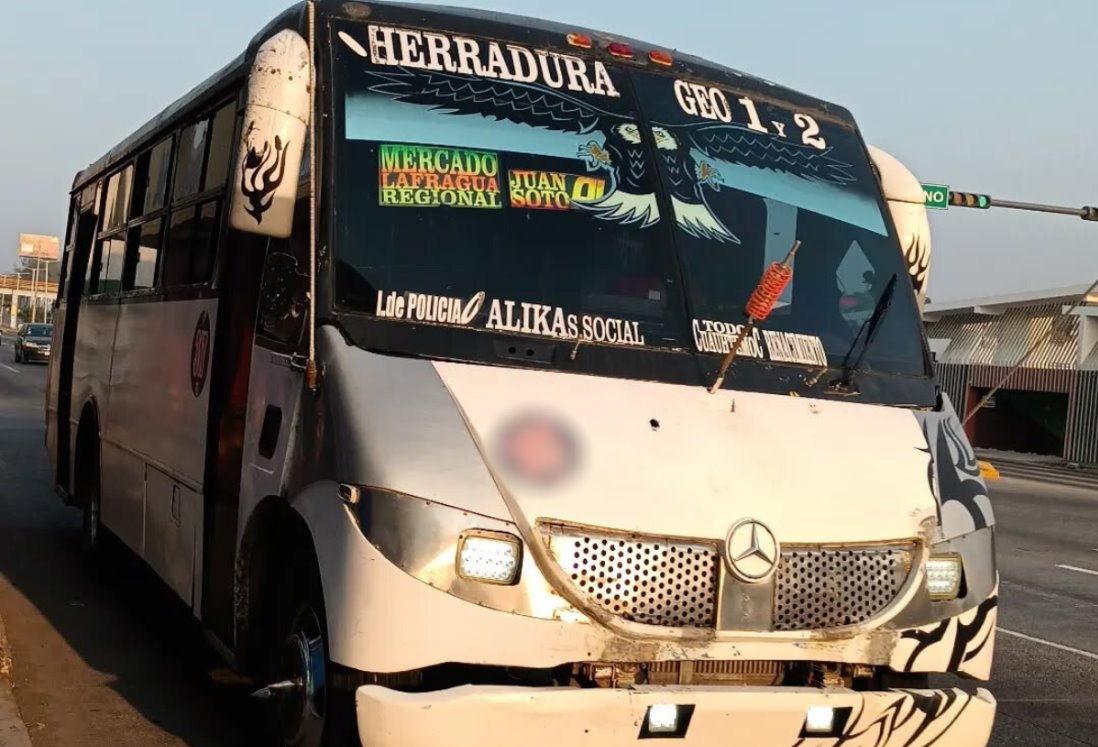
(117, 207)
(221, 148)
(188, 160)
(151, 189)
(191, 246)
(91, 278)
(114, 256)
(205, 245)
(175, 267)
(144, 247)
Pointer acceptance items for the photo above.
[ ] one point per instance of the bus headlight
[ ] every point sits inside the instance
(943, 576)
(489, 557)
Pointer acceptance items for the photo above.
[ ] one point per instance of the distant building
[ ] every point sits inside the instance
(1050, 404)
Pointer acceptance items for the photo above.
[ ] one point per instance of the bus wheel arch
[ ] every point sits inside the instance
(274, 534)
(282, 625)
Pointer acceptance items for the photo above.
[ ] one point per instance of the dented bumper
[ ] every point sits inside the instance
(507, 716)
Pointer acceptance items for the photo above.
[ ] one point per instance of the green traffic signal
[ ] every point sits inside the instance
(969, 200)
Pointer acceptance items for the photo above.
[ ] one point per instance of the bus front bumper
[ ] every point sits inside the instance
(489, 716)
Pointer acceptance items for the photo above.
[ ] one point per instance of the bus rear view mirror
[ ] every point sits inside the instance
(906, 203)
(272, 141)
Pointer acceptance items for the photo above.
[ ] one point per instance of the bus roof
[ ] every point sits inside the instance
(550, 34)
(553, 34)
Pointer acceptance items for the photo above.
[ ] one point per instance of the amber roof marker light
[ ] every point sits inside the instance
(583, 41)
(660, 57)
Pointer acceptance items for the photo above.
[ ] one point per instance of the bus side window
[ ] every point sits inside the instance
(110, 250)
(284, 294)
(221, 147)
(113, 256)
(189, 159)
(91, 279)
(191, 245)
(142, 251)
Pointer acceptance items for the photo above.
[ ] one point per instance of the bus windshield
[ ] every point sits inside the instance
(519, 191)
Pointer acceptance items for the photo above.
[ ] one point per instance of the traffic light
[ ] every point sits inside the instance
(969, 200)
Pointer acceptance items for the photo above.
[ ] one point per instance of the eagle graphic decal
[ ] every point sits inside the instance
(692, 154)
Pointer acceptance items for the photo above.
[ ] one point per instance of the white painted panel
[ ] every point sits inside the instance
(173, 519)
(52, 384)
(271, 382)
(123, 494)
(814, 471)
(153, 407)
(90, 380)
(92, 357)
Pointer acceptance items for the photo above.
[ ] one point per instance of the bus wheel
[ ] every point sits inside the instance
(299, 671)
(91, 535)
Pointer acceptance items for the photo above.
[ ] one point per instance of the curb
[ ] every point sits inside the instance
(1052, 476)
(13, 732)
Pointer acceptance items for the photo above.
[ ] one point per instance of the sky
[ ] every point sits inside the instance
(993, 97)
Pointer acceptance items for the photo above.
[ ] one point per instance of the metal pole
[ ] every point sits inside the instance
(1085, 213)
(15, 299)
(311, 373)
(34, 290)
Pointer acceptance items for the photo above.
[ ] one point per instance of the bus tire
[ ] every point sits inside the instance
(94, 537)
(304, 711)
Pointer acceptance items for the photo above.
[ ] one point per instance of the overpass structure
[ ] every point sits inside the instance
(24, 299)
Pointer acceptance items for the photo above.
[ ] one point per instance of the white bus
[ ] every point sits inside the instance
(392, 348)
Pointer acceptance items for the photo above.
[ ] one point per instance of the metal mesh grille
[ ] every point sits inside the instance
(832, 588)
(644, 580)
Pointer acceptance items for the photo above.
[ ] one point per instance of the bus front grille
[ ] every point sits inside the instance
(654, 581)
(822, 588)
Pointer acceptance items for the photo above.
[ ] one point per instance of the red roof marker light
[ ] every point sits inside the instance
(620, 49)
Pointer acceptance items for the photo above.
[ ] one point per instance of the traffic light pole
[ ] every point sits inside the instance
(983, 202)
(1086, 213)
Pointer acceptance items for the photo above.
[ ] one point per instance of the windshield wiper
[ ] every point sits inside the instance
(870, 327)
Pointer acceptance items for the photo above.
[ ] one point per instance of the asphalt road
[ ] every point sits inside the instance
(105, 656)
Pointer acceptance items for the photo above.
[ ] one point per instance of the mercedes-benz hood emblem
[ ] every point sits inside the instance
(751, 551)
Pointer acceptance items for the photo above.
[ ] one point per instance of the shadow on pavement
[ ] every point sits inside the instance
(104, 653)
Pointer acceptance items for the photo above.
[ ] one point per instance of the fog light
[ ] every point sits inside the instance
(663, 718)
(666, 721)
(489, 557)
(820, 720)
(943, 576)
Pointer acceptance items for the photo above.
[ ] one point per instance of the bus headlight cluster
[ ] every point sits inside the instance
(489, 557)
(943, 576)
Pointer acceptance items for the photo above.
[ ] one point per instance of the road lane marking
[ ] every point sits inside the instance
(1078, 570)
(13, 370)
(1050, 644)
(1071, 601)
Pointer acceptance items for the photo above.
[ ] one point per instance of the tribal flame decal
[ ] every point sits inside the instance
(915, 718)
(962, 644)
(958, 487)
(262, 173)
